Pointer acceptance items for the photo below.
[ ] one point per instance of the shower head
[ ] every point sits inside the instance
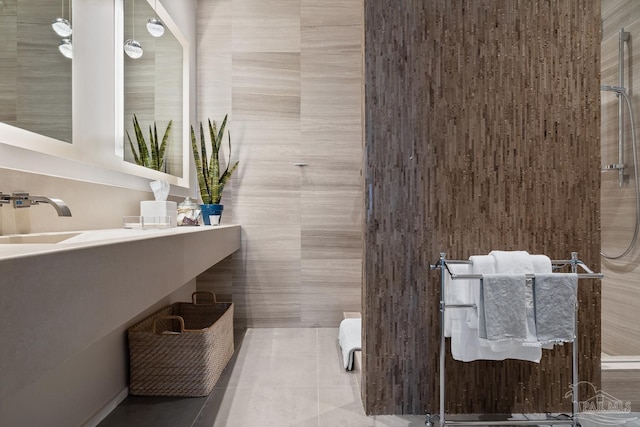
(616, 89)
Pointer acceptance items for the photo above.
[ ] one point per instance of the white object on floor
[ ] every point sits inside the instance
(350, 339)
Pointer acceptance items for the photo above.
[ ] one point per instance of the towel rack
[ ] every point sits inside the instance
(443, 266)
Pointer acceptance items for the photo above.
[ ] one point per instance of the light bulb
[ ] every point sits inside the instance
(62, 27)
(66, 48)
(133, 49)
(155, 27)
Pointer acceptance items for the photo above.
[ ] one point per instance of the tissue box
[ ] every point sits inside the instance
(153, 209)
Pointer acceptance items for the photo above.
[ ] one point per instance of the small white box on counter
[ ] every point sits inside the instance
(154, 209)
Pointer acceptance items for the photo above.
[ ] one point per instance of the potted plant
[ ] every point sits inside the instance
(210, 181)
(152, 156)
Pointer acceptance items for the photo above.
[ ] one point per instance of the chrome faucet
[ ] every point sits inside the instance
(24, 200)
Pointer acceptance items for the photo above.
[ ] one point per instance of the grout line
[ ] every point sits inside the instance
(620, 366)
(202, 408)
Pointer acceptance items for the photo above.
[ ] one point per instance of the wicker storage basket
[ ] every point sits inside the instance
(182, 349)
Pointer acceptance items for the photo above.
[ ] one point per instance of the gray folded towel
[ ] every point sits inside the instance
(502, 312)
(555, 298)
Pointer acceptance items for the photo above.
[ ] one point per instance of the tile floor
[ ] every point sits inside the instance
(277, 377)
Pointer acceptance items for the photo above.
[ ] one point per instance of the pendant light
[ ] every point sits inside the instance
(132, 47)
(66, 48)
(62, 26)
(154, 25)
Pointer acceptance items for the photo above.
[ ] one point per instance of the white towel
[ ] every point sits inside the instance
(541, 265)
(502, 312)
(350, 339)
(512, 262)
(464, 322)
(555, 299)
(466, 346)
(480, 264)
(518, 262)
(456, 292)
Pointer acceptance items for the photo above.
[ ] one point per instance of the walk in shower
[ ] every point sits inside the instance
(620, 201)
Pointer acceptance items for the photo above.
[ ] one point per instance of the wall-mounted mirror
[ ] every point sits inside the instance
(154, 84)
(64, 117)
(35, 77)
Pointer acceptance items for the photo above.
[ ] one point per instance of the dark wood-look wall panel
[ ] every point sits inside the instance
(482, 132)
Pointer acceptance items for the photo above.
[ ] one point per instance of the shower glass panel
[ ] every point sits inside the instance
(620, 82)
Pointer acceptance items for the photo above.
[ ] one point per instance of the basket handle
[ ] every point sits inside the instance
(178, 318)
(194, 298)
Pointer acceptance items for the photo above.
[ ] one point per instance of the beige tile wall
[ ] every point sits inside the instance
(620, 290)
(289, 74)
(92, 205)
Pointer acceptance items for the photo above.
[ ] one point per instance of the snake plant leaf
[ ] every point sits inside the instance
(221, 133)
(228, 172)
(214, 164)
(135, 155)
(152, 148)
(199, 169)
(151, 156)
(213, 132)
(165, 140)
(205, 163)
(142, 144)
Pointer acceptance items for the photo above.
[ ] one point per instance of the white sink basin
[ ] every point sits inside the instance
(38, 238)
(87, 236)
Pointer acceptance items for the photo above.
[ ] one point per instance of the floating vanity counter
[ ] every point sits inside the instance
(62, 292)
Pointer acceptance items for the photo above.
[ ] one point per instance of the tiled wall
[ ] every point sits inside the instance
(92, 205)
(620, 290)
(482, 132)
(289, 74)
